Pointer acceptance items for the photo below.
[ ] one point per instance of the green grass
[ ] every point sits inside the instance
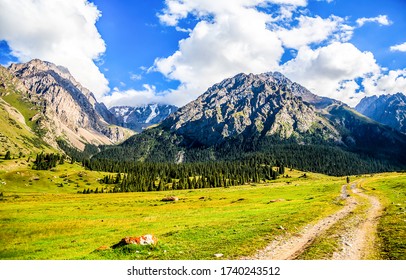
(26, 108)
(21, 179)
(329, 241)
(37, 223)
(16, 137)
(391, 190)
(39, 220)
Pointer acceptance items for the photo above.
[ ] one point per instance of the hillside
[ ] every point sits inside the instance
(247, 218)
(19, 130)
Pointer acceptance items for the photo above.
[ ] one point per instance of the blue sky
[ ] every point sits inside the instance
(137, 52)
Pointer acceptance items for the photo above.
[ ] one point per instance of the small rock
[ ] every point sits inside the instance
(218, 255)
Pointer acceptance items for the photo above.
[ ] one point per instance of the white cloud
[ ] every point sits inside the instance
(130, 97)
(386, 83)
(148, 95)
(179, 9)
(331, 70)
(135, 77)
(400, 47)
(314, 30)
(381, 19)
(59, 31)
(235, 39)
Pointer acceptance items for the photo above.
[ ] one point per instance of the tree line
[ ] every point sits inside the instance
(140, 177)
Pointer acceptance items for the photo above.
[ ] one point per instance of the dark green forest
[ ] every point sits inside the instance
(159, 160)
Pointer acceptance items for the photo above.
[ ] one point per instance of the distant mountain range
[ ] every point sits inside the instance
(386, 109)
(139, 118)
(267, 114)
(256, 113)
(65, 109)
(52, 106)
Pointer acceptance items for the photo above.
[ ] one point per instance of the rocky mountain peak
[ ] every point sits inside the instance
(264, 104)
(141, 117)
(387, 109)
(71, 109)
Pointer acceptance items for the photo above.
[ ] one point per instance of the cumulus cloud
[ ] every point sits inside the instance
(131, 97)
(385, 83)
(179, 9)
(145, 96)
(235, 36)
(381, 19)
(59, 31)
(332, 70)
(400, 47)
(314, 30)
(231, 37)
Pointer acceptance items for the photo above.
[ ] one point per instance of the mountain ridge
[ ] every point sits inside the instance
(66, 109)
(250, 113)
(139, 118)
(389, 109)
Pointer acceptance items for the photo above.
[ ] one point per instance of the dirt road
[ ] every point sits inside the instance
(355, 241)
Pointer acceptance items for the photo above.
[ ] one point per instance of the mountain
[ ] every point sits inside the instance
(20, 133)
(263, 105)
(139, 118)
(386, 109)
(271, 115)
(65, 109)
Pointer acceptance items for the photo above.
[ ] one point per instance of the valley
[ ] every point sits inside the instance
(44, 217)
(258, 168)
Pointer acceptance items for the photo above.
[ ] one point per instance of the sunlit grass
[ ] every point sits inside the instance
(43, 221)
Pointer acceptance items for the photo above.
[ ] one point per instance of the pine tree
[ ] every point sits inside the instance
(8, 155)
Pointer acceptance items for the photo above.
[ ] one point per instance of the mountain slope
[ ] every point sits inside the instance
(139, 118)
(67, 109)
(271, 115)
(386, 109)
(251, 105)
(18, 128)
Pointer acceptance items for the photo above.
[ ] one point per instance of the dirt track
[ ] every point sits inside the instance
(355, 241)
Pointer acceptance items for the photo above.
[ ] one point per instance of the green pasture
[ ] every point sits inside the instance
(39, 220)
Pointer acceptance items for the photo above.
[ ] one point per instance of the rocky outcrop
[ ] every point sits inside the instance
(386, 109)
(70, 110)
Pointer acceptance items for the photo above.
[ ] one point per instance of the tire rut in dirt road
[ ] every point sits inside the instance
(358, 239)
(288, 249)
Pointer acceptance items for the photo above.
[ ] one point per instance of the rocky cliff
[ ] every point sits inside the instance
(386, 109)
(68, 110)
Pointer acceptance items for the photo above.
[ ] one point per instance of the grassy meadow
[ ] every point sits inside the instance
(390, 188)
(42, 219)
